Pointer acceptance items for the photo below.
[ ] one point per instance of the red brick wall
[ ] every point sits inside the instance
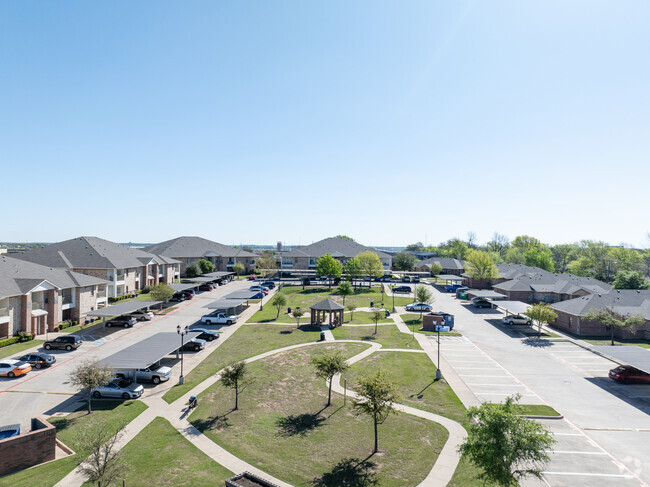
(29, 449)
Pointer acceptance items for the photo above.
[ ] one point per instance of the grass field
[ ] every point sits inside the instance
(607, 341)
(113, 413)
(413, 320)
(17, 348)
(283, 428)
(538, 410)
(387, 336)
(248, 341)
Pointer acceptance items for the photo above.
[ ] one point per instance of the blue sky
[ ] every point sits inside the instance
(392, 122)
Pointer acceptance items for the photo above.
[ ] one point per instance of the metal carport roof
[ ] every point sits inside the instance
(486, 294)
(218, 274)
(182, 287)
(512, 307)
(122, 308)
(631, 355)
(201, 279)
(225, 303)
(148, 351)
(450, 277)
(243, 294)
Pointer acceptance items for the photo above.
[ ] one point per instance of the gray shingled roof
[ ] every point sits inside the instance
(623, 301)
(195, 247)
(338, 247)
(327, 305)
(444, 262)
(18, 277)
(546, 282)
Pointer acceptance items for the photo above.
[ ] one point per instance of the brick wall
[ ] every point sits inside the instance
(29, 449)
(581, 327)
(15, 314)
(85, 301)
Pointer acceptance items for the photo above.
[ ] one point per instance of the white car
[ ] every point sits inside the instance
(419, 307)
(142, 315)
(517, 320)
(119, 388)
(218, 318)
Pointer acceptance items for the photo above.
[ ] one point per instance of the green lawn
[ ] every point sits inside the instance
(413, 320)
(160, 452)
(388, 336)
(607, 341)
(114, 413)
(538, 410)
(248, 341)
(17, 348)
(363, 318)
(283, 428)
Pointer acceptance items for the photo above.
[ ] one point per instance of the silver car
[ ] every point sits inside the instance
(517, 320)
(119, 388)
(418, 307)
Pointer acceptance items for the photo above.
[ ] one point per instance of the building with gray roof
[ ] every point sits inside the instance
(342, 249)
(449, 265)
(188, 250)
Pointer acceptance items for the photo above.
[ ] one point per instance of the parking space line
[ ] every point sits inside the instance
(481, 375)
(589, 474)
(497, 385)
(502, 394)
(566, 452)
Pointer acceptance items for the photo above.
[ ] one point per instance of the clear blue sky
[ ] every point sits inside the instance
(392, 122)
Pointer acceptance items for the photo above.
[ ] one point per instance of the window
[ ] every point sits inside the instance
(92, 291)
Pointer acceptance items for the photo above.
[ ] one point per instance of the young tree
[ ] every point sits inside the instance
(613, 320)
(105, 463)
(423, 295)
(328, 266)
(481, 266)
(377, 315)
(506, 446)
(353, 270)
(89, 375)
(297, 314)
(327, 366)
(351, 307)
(630, 280)
(238, 268)
(279, 301)
(436, 269)
(161, 292)
(370, 264)
(540, 257)
(543, 314)
(193, 270)
(345, 289)
(377, 396)
(267, 263)
(206, 266)
(404, 261)
(235, 377)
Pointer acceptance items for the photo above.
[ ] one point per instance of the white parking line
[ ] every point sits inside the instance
(482, 375)
(565, 452)
(497, 385)
(502, 394)
(588, 474)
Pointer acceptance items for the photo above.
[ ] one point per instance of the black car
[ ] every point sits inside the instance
(269, 284)
(416, 279)
(123, 321)
(402, 289)
(38, 359)
(178, 297)
(406, 279)
(207, 335)
(195, 344)
(66, 342)
(481, 303)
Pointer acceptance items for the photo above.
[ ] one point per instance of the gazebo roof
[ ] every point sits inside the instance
(327, 305)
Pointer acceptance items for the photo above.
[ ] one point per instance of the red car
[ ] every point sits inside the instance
(628, 375)
(206, 287)
(252, 277)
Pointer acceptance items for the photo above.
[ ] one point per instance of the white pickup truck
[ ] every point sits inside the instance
(218, 318)
(152, 374)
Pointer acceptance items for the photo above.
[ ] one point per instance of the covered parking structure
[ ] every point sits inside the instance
(511, 307)
(218, 274)
(120, 309)
(244, 294)
(228, 306)
(148, 351)
(489, 295)
(450, 278)
(182, 287)
(637, 357)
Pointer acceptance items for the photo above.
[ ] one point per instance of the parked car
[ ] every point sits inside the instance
(13, 368)
(206, 287)
(269, 284)
(406, 279)
(189, 293)
(452, 288)
(153, 373)
(195, 344)
(517, 320)
(178, 297)
(219, 318)
(258, 295)
(119, 388)
(207, 335)
(123, 321)
(628, 375)
(252, 277)
(416, 279)
(9, 431)
(142, 315)
(38, 359)
(65, 342)
(419, 307)
(481, 303)
(402, 289)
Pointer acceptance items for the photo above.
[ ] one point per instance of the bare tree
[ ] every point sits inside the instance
(104, 464)
(89, 375)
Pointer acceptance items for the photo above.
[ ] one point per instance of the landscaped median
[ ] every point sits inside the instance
(387, 335)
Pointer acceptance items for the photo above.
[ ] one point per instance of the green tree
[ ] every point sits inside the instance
(267, 263)
(161, 292)
(436, 269)
(193, 270)
(371, 266)
(377, 315)
(328, 266)
(351, 307)
(353, 269)
(614, 320)
(499, 244)
(89, 375)
(540, 257)
(346, 238)
(505, 445)
(514, 256)
(235, 377)
(297, 314)
(238, 268)
(206, 266)
(416, 247)
(279, 301)
(543, 314)
(563, 254)
(455, 248)
(377, 396)
(524, 243)
(423, 295)
(630, 280)
(105, 463)
(404, 261)
(345, 289)
(481, 266)
(327, 366)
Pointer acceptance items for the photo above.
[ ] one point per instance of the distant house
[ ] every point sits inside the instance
(126, 268)
(449, 265)
(188, 250)
(570, 314)
(33, 296)
(342, 249)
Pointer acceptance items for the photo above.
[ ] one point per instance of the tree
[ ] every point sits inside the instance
(345, 289)
(542, 313)
(328, 266)
(267, 262)
(377, 396)
(540, 257)
(436, 269)
(235, 377)
(238, 268)
(279, 301)
(630, 280)
(416, 247)
(346, 237)
(206, 266)
(506, 446)
(161, 292)
(370, 264)
(105, 463)
(89, 375)
(377, 315)
(297, 314)
(353, 269)
(481, 266)
(327, 366)
(351, 307)
(193, 270)
(498, 244)
(423, 295)
(514, 256)
(613, 319)
(471, 240)
(455, 248)
(404, 261)
(563, 254)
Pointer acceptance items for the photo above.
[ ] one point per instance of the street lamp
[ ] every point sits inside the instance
(182, 333)
(392, 290)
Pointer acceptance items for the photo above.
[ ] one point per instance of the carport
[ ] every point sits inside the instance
(244, 295)
(201, 279)
(120, 309)
(450, 278)
(218, 274)
(511, 307)
(148, 351)
(182, 287)
(226, 305)
(637, 357)
(489, 295)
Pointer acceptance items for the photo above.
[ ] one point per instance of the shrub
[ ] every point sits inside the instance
(9, 341)
(193, 270)
(146, 290)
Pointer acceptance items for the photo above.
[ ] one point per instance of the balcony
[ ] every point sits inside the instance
(101, 293)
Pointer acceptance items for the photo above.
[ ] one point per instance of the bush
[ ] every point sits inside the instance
(206, 266)
(193, 270)
(23, 336)
(146, 290)
(9, 341)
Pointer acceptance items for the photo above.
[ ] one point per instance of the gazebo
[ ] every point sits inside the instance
(319, 311)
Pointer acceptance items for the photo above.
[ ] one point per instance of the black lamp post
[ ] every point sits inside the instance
(182, 333)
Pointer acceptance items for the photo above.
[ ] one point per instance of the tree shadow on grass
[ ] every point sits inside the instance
(537, 342)
(286, 332)
(215, 422)
(349, 472)
(369, 337)
(298, 424)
